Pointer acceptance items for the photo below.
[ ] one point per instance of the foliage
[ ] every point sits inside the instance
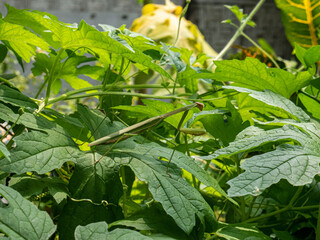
(244, 166)
(301, 21)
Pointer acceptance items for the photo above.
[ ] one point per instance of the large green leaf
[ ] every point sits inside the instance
(21, 40)
(50, 148)
(21, 219)
(251, 142)
(301, 19)
(275, 100)
(296, 164)
(253, 74)
(92, 187)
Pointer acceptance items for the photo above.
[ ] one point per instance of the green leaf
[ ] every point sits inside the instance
(225, 127)
(16, 98)
(310, 104)
(253, 74)
(28, 186)
(93, 231)
(68, 70)
(145, 221)
(240, 15)
(4, 151)
(21, 40)
(126, 234)
(99, 231)
(51, 149)
(241, 232)
(23, 220)
(95, 190)
(3, 52)
(96, 40)
(250, 142)
(301, 21)
(312, 55)
(296, 164)
(275, 100)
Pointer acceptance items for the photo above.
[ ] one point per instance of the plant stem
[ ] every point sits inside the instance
(238, 32)
(287, 208)
(51, 75)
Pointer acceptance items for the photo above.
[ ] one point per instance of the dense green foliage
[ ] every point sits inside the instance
(246, 166)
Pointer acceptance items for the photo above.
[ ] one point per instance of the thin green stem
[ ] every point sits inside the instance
(51, 75)
(277, 212)
(238, 32)
(125, 188)
(6, 81)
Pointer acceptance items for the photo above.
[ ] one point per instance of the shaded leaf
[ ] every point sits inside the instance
(28, 186)
(23, 220)
(95, 190)
(145, 221)
(16, 98)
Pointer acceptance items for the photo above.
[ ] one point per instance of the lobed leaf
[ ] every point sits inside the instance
(286, 133)
(275, 100)
(251, 73)
(296, 164)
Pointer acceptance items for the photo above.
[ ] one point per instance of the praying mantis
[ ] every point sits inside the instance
(136, 128)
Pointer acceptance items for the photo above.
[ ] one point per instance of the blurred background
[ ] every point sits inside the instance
(206, 14)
